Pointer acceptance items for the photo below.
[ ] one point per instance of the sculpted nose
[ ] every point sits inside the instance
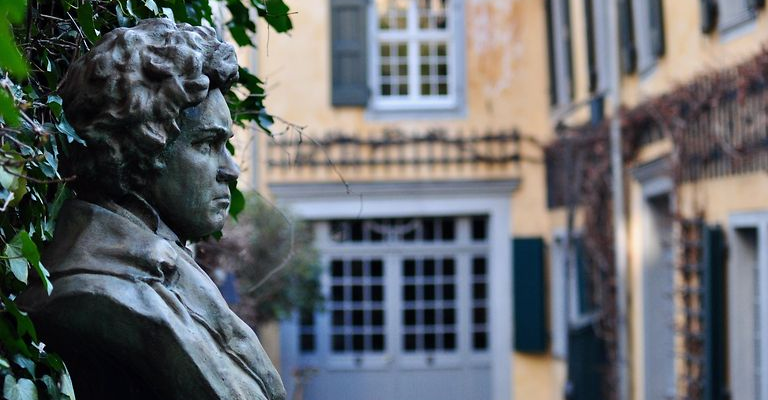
(228, 169)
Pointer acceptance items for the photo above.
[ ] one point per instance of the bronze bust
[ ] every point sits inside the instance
(131, 312)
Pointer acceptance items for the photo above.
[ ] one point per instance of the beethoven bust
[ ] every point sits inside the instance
(131, 312)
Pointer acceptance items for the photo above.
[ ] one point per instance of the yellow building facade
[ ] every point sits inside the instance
(419, 137)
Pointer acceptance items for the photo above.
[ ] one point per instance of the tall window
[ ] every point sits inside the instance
(560, 51)
(414, 54)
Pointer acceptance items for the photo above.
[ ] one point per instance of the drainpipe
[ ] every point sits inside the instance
(619, 215)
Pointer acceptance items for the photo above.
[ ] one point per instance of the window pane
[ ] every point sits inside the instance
(357, 306)
(480, 303)
(393, 14)
(433, 14)
(429, 306)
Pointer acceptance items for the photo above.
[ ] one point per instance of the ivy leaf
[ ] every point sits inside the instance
(24, 326)
(239, 35)
(8, 111)
(277, 16)
(54, 103)
(12, 60)
(50, 165)
(25, 363)
(168, 13)
(23, 389)
(65, 382)
(238, 200)
(152, 6)
(64, 127)
(85, 19)
(14, 10)
(16, 262)
(32, 255)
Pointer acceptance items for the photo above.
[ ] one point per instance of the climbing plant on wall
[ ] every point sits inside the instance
(38, 41)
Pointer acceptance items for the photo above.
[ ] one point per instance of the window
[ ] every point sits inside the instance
(597, 32)
(733, 13)
(414, 55)
(357, 305)
(560, 51)
(649, 32)
(429, 304)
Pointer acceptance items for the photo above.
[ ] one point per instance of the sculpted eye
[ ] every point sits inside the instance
(205, 146)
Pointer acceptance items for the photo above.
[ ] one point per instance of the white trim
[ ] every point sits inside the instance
(655, 181)
(414, 104)
(563, 55)
(757, 220)
(426, 199)
(733, 17)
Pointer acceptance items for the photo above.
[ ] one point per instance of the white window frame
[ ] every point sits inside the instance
(756, 220)
(655, 180)
(602, 44)
(564, 280)
(733, 14)
(563, 55)
(394, 200)
(454, 38)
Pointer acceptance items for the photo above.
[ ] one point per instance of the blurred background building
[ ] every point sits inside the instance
(454, 158)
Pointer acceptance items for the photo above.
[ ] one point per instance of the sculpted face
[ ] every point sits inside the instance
(192, 192)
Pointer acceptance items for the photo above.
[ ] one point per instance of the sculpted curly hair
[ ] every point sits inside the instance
(125, 96)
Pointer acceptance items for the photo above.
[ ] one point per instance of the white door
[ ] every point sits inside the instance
(407, 311)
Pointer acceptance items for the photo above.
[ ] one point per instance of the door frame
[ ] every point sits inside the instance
(325, 201)
(757, 220)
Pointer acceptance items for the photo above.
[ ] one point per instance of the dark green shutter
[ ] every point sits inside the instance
(714, 314)
(656, 10)
(708, 15)
(349, 68)
(591, 49)
(627, 39)
(755, 4)
(529, 296)
(551, 54)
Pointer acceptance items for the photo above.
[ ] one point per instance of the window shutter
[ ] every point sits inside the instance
(591, 50)
(551, 54)
(349, 68)
(755, 4)
(529, 296)
(568, 46)
(656, 10)
(714, 314)
(709, 13)
(627, 27)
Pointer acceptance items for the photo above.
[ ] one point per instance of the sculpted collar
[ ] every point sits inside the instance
(135, 208)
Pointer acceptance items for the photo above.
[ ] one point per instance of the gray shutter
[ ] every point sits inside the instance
(708, 15)
(349, 64)
(627, 39)
(656, 11)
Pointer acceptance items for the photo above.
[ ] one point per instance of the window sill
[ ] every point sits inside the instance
(415, 113)
(735, 28)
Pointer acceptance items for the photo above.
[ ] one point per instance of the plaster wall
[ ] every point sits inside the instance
(506, 87)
